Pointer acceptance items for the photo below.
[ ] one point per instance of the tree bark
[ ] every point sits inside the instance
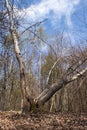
(27, 102)
(50, 91)
(25, 97)
(2, 106)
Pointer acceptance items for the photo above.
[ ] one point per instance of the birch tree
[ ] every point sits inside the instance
(28, 102)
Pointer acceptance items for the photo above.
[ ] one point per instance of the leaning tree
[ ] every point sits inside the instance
(28, 102)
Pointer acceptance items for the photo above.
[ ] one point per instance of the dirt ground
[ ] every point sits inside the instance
(11, 120)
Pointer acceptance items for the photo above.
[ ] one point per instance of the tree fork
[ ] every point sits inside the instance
(29, 103)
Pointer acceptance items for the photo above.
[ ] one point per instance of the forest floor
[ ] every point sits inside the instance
(12, 120)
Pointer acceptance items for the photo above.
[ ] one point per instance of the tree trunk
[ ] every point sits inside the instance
(50, 91)
(2, 106)
(25, 98)
(27, 102)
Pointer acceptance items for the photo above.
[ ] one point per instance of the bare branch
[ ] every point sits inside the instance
(52, 70)
(34, 25)
(50, 91)
(77, 75)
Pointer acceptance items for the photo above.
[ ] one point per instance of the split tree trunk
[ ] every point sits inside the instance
(27, 102)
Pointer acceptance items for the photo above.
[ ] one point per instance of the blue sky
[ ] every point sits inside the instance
(67, 15)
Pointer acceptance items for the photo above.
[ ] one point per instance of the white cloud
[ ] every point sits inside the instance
(51, 9)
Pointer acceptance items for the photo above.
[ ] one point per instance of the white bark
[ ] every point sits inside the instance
(78, 75)
(50, 91)
(25, 100)
(51, 71)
